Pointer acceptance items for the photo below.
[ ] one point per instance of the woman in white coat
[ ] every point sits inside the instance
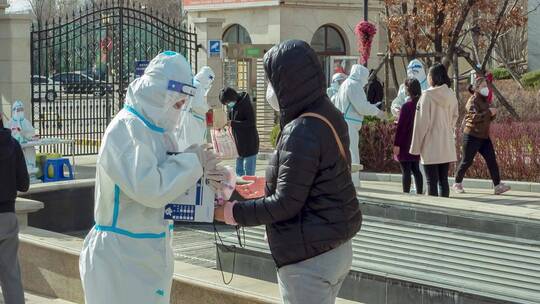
(127, 257)
(352, 101)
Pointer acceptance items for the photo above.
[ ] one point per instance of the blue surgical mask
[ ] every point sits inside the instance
(231, 104)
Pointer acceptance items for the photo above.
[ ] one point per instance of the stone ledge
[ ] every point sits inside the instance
(49, 263)
(23, 207)
(69, 185)
(468, 183)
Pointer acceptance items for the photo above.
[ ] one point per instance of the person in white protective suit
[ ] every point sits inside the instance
(351, 100)
(127, 256)
(415, 69)
(337, 80)
(23, 131)
(193, 128)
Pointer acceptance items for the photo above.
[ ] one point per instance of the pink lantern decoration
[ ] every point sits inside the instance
(365, 31)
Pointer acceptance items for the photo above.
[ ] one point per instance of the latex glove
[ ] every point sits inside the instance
(378, 104)
(208, 159)
(381, 115)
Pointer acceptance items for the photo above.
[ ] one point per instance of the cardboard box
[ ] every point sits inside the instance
(195, 205)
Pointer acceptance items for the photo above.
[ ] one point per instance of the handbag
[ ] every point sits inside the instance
(336, 136)
(224, 144)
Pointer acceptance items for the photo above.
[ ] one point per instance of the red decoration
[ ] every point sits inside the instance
(365, 31)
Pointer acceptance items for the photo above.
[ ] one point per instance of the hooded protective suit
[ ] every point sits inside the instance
(351, 100)
(127, 256)
(337, 80)
(23, 131)
(415, 69)
(192, 130)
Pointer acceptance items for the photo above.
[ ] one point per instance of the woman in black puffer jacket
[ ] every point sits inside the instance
(310, 209)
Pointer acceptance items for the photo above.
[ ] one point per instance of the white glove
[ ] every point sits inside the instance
(378, 103)
(381, 115)
(208, 159)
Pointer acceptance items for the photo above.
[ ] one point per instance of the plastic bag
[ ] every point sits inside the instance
(224, 144)
(228, 187)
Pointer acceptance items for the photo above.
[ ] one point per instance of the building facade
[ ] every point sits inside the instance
(251, 27)
(534, 35)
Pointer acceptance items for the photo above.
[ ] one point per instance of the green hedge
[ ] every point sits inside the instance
(531, 79)
(501, 73)
(274, 135)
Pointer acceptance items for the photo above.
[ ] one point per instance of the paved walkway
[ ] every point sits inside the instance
(34, 299)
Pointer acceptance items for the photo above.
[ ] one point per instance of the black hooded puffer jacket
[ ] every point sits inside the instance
(310, 205)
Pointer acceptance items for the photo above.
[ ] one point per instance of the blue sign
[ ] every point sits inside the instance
(140, 66)
(214, 48)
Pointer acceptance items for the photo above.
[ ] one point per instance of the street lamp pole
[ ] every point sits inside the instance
(365, 10)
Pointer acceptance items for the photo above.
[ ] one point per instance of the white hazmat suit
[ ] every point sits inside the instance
(415, 69)
(23, 131)
(337, 80)
(351, 100)
(127, 257)
(193, 128)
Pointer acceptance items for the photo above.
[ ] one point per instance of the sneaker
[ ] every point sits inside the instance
(501, 188)
(458, 188)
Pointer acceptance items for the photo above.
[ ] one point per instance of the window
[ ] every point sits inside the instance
(236, 34)
(328, 41)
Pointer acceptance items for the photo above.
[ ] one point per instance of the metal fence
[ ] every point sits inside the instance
(82, 64)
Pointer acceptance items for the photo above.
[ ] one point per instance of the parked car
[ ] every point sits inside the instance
(44, 88)
(77, 82)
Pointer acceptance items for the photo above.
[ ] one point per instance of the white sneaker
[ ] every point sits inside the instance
(501, 188)
(458, 188)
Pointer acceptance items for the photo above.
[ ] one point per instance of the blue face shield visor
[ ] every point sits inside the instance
(181, 88)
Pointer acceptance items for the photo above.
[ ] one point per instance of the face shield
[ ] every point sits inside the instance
(416, 70)
(205, 79)
(17, 111)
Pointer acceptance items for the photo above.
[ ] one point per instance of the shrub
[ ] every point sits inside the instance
(501, 73)
(274, 135)
(525, 102)
(376, 147)
(531, 79)
(517, 146)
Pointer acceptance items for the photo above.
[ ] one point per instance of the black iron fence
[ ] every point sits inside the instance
(83, 63)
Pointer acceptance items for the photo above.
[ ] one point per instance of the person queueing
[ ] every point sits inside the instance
(352, 101)
(433, 134)
(476, 138)
(193, 128)
(310, 208)
(13, 178)
(242, 121)
(410, 164)
(127, 256)
(337, 80)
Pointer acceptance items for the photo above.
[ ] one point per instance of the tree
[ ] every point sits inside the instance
(445, 29)
(43, 10)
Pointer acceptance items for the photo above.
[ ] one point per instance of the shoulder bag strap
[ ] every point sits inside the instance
(336, 136)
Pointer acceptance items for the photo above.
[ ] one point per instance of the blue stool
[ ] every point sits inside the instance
(58, 169)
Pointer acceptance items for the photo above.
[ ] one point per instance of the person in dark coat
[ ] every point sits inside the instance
(310, 209)
(410, 164)
(13, 177)
(375, 91)
(244, 129)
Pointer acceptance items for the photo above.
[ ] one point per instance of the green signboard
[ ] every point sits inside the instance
(253, 52)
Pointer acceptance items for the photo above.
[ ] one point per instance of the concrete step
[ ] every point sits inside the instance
(493, 266)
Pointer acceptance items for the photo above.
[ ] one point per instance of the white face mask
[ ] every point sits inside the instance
(484, 92)
(271, 98)
(171, 119)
